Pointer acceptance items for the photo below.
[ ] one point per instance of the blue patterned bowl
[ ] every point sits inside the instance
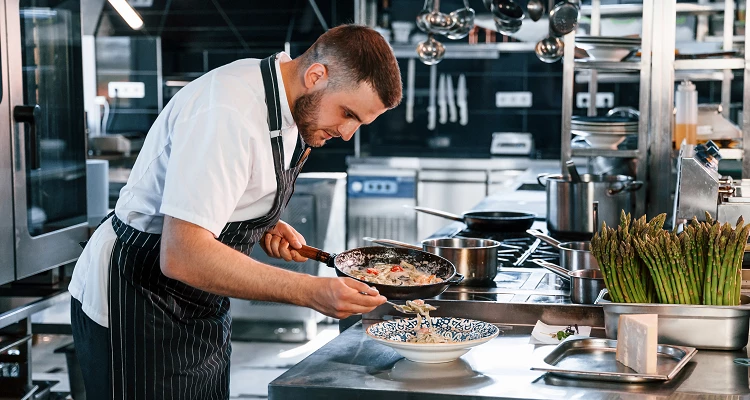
(464, 333)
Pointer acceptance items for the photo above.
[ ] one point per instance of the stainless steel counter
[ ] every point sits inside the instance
(354, 366)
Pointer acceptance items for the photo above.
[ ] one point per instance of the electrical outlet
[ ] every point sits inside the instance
(513, 99)
(126, 90)
(603, 100)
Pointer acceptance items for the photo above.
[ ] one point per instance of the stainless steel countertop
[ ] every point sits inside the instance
(354, 366)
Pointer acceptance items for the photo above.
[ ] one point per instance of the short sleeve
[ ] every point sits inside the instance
(208, 168)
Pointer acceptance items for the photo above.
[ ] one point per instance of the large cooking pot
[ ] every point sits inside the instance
(475, 259)
(427, 262)
(487, 221)
(573, 255)
(570, 205)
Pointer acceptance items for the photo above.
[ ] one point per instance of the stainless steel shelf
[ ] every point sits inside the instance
(469, 51)
(622, 10)
(609, 65)
(605, 153)
(710, 64)
(584, 76)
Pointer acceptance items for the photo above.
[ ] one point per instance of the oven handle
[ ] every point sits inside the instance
(30, 115)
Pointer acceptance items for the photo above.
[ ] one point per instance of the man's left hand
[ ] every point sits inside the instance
(280, 242)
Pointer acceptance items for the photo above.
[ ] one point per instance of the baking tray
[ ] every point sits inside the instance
(702, 327)
(594, 359)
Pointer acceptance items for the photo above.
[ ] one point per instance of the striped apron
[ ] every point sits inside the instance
(170, 340)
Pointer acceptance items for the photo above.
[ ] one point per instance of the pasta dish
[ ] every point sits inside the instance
(403, 274)
(423, 332)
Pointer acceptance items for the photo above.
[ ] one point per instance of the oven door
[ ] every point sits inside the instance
(48, 132)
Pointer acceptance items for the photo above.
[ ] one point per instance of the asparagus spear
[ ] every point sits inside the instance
(727, 272)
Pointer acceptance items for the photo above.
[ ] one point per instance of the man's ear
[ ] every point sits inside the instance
(316, 76)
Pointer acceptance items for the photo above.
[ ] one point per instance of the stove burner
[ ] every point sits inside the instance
(516, 248)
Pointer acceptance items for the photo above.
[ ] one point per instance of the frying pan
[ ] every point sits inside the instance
(488, 221)
(362, 256)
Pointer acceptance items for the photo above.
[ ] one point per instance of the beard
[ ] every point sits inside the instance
(305, 113)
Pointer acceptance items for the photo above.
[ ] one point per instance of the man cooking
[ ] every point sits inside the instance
(150, 291)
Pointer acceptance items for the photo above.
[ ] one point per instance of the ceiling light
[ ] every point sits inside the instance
(127, 13)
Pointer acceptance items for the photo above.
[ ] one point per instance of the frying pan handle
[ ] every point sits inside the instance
(600, 297)
(458, 278)
(439, 213)
(539, 235)
(542, 179)
(391, 243)
(556, 269)
(317, 255)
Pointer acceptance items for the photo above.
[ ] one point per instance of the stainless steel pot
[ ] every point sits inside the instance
(585, 284)
(475, 259)
(570, 205)
(573, 255)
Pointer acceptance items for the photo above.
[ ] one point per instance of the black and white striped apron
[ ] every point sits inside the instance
(170, 340)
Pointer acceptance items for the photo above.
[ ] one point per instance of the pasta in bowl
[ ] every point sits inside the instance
(458, 335)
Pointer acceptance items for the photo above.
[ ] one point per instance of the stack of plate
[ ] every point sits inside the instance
(603, 132)
(607, 48)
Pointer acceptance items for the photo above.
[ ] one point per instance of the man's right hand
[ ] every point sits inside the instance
(342, 297)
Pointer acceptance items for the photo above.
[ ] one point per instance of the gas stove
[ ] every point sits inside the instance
(517, 249)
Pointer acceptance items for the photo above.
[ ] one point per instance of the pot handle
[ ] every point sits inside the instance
(600, 297)
(391, 243)
(631, 186)
(439, 213)
(556, 269)
(317, 255)
(541, 177)
(457, 278)
(539, 235)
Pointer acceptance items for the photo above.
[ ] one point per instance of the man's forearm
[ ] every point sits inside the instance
(190, 254)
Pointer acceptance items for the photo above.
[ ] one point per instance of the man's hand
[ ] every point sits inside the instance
(280, 242)
(342, 297)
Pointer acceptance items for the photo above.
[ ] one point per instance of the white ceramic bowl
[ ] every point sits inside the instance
(465, 333)
(606, 52)
(604, 141)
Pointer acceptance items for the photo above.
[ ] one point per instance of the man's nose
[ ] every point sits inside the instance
(347, 130)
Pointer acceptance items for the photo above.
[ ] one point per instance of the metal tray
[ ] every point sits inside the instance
(702, 327)
(595, 359)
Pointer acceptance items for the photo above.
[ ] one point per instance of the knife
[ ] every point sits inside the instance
(452, 112)
(461, 100)
(442, 101)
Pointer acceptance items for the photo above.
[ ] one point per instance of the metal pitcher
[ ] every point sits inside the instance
(570, 205)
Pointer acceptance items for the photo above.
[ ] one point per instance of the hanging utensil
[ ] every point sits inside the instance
(442, 101)
(463, 21)
(452, 112)
(549, 49)
(508, 16)
(430, 51)
(563, 18)
(431, 109)
(535, 9)
(461, 101)
(411, 66)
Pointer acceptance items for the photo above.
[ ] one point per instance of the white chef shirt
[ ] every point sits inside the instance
(206, 160)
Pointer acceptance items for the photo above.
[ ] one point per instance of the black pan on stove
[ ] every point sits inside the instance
(488, 221)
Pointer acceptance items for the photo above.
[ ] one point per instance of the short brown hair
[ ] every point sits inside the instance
(354, 54)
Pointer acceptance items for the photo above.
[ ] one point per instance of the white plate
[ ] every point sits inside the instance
(604, 141)
(466, 333)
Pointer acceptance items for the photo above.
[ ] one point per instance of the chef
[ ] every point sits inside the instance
(150, 308)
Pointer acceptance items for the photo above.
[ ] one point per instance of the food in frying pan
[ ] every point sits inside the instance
(402, 274)
(424, 332)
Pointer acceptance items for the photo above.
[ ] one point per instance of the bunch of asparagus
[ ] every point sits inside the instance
(642, 263)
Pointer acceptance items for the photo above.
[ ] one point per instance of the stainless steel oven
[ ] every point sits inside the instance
(43, 161)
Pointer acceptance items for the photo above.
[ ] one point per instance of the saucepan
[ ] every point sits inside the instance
(585, 284)
(573, 255)
(476, 259)
(488, 221)
(427, 262)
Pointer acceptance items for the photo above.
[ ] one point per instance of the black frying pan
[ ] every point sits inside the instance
(427, 262)
(488, 221)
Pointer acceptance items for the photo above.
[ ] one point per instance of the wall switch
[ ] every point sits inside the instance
(513, 99)
(603, 100)
(126, 90)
